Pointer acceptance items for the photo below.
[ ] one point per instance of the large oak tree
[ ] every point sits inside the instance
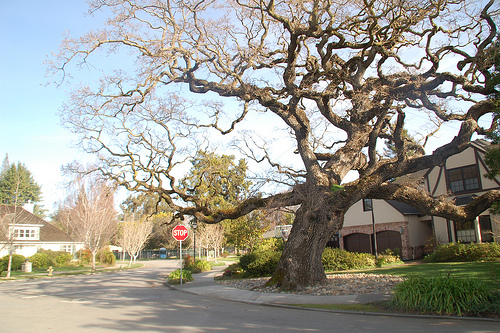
(340, 77)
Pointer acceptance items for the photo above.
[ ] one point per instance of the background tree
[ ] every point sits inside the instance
(5, 164)
(245, 231)
(211, 238)
(221, 183)
(337, 77)
(148, 206)
(18, 187)
(90, 212)
(132, 236)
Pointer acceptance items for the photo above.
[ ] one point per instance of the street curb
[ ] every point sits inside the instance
(291, 306)
(387, 314)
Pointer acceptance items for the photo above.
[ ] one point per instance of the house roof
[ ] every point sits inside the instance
(403, 208)
(20, 216)
(481, 144)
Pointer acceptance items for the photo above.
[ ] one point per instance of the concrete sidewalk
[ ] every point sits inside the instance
(205, 285)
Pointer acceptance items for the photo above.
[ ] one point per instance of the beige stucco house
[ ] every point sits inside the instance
(28, 233)
(398, 225)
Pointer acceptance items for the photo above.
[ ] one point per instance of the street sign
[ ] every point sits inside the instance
(180, 233)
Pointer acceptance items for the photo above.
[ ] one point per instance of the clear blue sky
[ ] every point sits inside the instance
(30, 130)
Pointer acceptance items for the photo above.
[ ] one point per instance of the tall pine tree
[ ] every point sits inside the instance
(17, 186)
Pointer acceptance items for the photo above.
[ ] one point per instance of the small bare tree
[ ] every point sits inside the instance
(211, 237)
(133, 235)
(7, 221)
(90, 211)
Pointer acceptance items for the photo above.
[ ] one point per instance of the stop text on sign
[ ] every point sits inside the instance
(180, 233)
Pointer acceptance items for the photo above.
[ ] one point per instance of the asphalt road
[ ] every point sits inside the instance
(137, 301)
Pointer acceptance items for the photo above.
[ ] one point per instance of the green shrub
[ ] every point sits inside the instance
(387, 260)
(233, 271)
(40, 260)
(247, 259)
(442, 295)
(269, 244)
(175, 276)
(63, 259)
(459, 252)
(84, 256)
(17, 261)
(198, 266)
(56, 258)
(262, 263)
(341, 260)
(106, 257)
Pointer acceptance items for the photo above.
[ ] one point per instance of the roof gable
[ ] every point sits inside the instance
(48, 232)
(19, 215)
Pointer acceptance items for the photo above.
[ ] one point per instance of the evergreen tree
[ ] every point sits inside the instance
(221, 183)
(17, 186)
(5, 164)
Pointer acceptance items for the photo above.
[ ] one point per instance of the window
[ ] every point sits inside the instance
(367, 205)
(463, 179)
(25, 233)
(486, 230)
(66, 248)
(465, 232)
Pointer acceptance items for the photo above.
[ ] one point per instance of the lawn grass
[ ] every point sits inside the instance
(65, 271)
(488, 272)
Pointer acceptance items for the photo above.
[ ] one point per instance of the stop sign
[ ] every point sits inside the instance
(180, 233)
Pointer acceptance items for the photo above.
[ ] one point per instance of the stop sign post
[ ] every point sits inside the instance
(180, 233)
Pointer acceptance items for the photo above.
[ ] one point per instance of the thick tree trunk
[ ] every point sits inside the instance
(300, 264)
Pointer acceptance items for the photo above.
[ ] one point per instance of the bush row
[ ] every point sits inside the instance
(46, 258)
(42, 259)
(17, 261)
(105, 257)
(446, 295)
(264, 260)
(459, 252)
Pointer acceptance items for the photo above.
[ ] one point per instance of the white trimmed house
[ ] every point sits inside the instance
(29, 233)
(398, 225)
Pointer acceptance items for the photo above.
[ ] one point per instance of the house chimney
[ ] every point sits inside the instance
(29, 206)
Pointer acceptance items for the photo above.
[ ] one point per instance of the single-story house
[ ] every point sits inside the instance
(398, 225)
(28, 233)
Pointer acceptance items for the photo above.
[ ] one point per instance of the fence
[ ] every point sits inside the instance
(164, 254)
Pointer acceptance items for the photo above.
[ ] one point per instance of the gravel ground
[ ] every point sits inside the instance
(338, 284)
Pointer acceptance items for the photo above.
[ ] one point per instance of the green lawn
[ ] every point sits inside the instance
(484, 271)
(64, 271)
(488, 272)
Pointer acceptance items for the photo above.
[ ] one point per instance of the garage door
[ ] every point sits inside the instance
(358, 243)
(388, 239)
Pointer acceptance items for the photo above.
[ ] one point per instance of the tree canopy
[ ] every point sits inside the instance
(339, 78)
(17, 185)
(221, 183)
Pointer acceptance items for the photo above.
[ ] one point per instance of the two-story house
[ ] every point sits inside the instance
(397, 225)
(27, 233)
